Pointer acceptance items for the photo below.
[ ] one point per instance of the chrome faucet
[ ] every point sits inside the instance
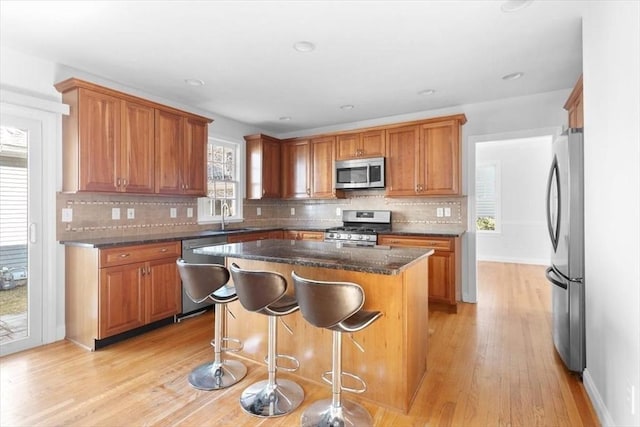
(222, 211)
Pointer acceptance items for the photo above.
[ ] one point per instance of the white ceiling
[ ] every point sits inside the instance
(374, 55)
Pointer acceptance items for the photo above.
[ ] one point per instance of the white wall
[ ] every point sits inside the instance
(523, 165)
(611, 42)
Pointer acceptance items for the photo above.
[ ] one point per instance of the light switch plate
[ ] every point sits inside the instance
(115, 213)
(338, 211)
(258, 211)
(293, 211)
(447, 211)
(173, 213)
(439, 212)
(131, 213)
(67, 215)
(189, 212)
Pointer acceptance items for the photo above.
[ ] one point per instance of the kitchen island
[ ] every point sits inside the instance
(394, 281)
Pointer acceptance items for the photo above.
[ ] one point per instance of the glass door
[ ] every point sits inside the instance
(20, 244)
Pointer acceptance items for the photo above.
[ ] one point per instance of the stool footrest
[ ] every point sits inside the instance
(295, 361)
(236, 349)
(328, 378)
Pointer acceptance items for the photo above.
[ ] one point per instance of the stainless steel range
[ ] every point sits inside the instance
(360, 228)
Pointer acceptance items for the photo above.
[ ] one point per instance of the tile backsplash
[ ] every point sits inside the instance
(92, 213)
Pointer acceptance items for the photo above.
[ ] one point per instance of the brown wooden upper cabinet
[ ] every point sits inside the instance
(110, 143)
(307, 168)
(263, 167)
(574, 106)
(360, 145)
(181, 148)
(424, 159)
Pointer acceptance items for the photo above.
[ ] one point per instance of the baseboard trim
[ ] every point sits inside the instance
(533, 261)
(596, 400)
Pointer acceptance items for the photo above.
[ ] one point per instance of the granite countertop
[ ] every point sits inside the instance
(375, 260)
(105, 242)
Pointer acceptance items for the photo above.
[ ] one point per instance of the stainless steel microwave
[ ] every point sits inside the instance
(360, 173)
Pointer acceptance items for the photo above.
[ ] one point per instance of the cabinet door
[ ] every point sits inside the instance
(373, 143)
(348, 146)
(194, 158)
(296, 170)
(441, 277)
(322, 159)
(402, 161)
(99, 141)
(439, 170)
(137, 145)
(163, 293)
(168, 145)
(263, 167)
(121, 299)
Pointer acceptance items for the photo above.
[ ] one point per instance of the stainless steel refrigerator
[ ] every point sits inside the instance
(565, 220)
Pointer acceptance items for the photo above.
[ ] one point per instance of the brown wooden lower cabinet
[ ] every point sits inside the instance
(303, 235)
(444, 266)
(114, 290)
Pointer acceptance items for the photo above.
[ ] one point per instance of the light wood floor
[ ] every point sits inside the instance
(491, 364)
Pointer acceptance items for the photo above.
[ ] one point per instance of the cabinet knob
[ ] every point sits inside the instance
(124, 255)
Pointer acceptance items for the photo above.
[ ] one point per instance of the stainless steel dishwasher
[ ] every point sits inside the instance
(188, 246)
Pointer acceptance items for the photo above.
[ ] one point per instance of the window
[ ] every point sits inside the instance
(223, 182)
(488, 197)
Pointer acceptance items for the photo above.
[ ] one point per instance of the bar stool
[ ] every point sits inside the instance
(207, 281)
(336, 306)
(264, 292)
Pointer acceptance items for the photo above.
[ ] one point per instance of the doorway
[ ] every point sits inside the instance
(21, 224)
(512, 225)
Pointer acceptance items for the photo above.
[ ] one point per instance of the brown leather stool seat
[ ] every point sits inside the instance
(336, 306)
(209, 281)
(264, 292)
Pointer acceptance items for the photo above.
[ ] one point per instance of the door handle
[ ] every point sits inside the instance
(33, 237)
(548, 272)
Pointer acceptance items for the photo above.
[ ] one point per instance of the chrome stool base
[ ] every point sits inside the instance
(214, 376)
(264, 400)
(323, 414)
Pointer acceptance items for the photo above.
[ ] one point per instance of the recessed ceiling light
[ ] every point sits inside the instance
(347, 107)
(284, 118)
(427, 92)
(514, 5)
(194, 82)
(304, 46)
(513, 76)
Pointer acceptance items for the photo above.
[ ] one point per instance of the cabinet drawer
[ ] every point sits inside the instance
(441, 244)
(140, 253)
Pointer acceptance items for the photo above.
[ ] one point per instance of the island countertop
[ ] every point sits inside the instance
(376, 260)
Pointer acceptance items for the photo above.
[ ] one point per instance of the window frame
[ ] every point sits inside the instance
(204, 203)
(497, 191)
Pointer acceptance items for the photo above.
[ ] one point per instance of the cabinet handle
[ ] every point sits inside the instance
(118, 181)
(308, 191)
(164, 250)
(142, 271)
(124, 182)
(124, 255)
(148, 270)
(264, 191)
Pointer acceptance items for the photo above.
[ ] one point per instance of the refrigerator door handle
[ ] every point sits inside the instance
(554, 229)
(553, 280)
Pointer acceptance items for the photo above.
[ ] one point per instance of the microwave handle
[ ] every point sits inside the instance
(368, 172)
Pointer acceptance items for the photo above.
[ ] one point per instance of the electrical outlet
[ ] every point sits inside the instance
(439, 212)
(131, 213)
(259, 211)
(293, 211)
(447, 211)
(189, 212)
(338, 211)
(67, 215)
(173, 213)
(115, 213)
